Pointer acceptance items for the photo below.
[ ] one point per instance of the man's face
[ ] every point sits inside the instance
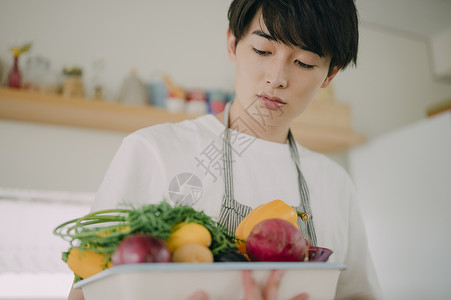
(275, 77)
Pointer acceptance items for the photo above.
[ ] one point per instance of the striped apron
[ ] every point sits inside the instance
(232, 212)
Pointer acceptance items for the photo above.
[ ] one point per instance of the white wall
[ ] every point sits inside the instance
(441, 49)
(54, 158)
(185, 39)
(393, 84)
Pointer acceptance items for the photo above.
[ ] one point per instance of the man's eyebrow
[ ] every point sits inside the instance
(264, 35)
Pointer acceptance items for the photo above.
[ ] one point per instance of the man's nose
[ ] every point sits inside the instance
(276, 75)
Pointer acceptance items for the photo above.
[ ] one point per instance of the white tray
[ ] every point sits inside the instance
(167, 281)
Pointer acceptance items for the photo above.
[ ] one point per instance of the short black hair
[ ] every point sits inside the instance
(325, 27)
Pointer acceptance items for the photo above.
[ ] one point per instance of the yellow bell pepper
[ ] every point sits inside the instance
(274, 209)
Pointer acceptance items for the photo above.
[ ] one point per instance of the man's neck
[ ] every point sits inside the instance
(257, 126)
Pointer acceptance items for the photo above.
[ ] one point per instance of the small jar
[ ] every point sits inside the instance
(72, 83)
(1, 72)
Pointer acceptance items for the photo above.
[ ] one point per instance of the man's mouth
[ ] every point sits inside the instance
(271, 102)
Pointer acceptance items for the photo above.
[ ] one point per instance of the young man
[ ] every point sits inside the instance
(225, 165)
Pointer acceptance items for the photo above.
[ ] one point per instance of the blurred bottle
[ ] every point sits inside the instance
(196, 102)
(158, 91)
(15, 77)
(1, 72)
(133, 91)
(38, 76)
(98, 84)
(73, 86)
(175, 104)
(216, 101)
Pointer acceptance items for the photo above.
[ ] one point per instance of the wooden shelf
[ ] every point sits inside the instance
(323, 127)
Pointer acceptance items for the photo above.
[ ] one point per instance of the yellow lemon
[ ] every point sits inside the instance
(192, 253)
(188, 233)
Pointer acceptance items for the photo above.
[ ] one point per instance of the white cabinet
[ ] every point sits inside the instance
(403, 180)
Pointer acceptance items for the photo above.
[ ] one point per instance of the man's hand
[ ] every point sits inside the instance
(75, 294)
(270, 291)
(253, 292)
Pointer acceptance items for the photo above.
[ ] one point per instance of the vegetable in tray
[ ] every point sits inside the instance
(95, 237)
(160, 233)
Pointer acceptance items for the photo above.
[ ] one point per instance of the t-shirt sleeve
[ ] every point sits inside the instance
(134, 177)
(359, 280)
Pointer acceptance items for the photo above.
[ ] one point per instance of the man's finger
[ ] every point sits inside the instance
(251, 290)
(199, 295)
(271, 289)
(302, 296)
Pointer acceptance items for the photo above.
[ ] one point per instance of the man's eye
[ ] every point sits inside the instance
(260, 52)
(302, 65)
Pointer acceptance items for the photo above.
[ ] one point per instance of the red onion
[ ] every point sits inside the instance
(318, 254)
(275, 240)
(141, 248)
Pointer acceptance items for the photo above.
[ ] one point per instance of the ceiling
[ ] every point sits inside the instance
(422, 17)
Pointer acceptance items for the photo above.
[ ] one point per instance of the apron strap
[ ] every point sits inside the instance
(307, 217)
(232, 212)
(227, 155)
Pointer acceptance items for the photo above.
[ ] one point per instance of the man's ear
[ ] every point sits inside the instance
(231, 45)
(330, 76)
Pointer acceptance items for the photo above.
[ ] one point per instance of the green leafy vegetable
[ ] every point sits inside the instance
(102, 231)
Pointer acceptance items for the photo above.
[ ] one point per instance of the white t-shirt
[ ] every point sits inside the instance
(182, 163)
